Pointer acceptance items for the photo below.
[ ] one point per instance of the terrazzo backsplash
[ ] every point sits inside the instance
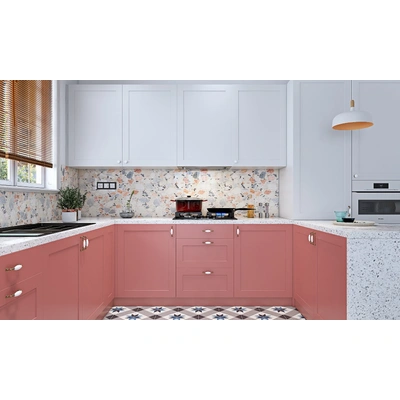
(155, 188)
(153, 191)
(17, 208)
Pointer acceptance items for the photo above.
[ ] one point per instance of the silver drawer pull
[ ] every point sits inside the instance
(208, 242)
(207, 272)
(16, 294)
(16, 268)
(208, 230)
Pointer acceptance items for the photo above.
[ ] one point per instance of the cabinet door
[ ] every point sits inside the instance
(376, 149)
(28, 305)
(261, 126)
(150, 125)
(109, 266)
(91, 275)
(95, 125)
(263, 261)
(146, 261)
(206, 125)
(332, 280)
(61, 279)
(317, 179)
(304, 272)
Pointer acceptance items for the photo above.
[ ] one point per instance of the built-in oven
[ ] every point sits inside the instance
(376, 201)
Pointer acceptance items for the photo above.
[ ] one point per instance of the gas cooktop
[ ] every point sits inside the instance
(40, 229)
(199, 215)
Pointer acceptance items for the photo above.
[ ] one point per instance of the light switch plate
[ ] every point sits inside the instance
(106, 185)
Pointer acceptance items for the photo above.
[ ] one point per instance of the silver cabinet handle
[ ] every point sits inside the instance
(207, 272)
(355, 175)
(208, 230)
(172, 231)
(87, 242)
(16, 268)
(126, 161)
(119, 162)
(208, 242)
(16, 294)
(83, 238)
(237, 231)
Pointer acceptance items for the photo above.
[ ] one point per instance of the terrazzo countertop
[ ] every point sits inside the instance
(373, 257)
(14, 244)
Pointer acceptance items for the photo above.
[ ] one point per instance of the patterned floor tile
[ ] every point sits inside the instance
(216, 313)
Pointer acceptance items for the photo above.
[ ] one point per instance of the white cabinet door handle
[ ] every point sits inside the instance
(172, 231)
(16, 294)
(87, 243)
(208, 242)
(126, 161)
(119, 162)
(237, 231)
(208, 230)
(16, 268)
(207, 272)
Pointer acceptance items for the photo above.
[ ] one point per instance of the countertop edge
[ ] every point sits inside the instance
(12, 245)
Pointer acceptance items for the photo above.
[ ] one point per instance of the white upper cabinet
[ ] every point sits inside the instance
(376, 154)
(206, 125)
(170, 125)
(261, 130)
(149, 125)
(94, 125)
(317, 179)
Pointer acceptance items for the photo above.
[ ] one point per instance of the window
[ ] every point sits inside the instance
(25, 132)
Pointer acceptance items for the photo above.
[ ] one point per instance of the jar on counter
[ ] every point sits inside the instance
(260, 211)
(250, 213)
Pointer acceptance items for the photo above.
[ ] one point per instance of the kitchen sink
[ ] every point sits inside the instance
(40, 229)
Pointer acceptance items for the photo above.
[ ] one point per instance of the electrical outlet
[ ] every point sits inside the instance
(106, 185)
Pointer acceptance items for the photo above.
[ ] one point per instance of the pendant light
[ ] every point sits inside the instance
(352, 120)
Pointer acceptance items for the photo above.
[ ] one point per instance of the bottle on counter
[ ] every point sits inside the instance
(250, 213)
(266, 210)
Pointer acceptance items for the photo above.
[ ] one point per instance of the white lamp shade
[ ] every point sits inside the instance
(352, 120)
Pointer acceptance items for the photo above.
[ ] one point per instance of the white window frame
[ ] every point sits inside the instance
(49, 175)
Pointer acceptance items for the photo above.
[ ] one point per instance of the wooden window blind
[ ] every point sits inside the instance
(26, 121)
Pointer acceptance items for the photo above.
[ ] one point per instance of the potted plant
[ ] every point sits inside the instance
(68, 200)
(81, 202)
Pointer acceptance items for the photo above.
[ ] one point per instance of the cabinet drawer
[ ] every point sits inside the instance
(204, 231)
(204, 282)
(211, 253)
(28, 305)
(27, 263)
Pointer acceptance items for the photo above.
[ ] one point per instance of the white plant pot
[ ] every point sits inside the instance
(79, 214)
(69, 216)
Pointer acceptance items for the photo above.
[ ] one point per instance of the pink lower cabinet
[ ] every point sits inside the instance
(95, 266)
(204, 261)
(23, 300)
(304, 272)
(263, 261)
(319, 268)
(61, 279)
(145, 261)
(78, 275)
(21, 285)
